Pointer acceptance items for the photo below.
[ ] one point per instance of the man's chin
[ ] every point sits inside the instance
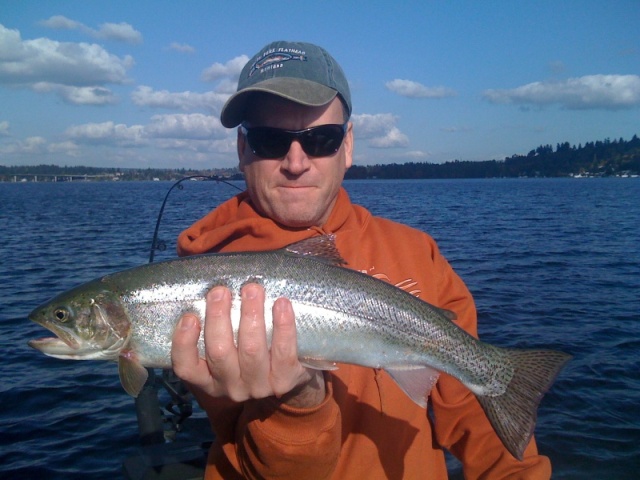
(302, 217)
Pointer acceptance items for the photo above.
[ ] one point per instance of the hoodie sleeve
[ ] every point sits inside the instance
(460, 423)
(268, 439)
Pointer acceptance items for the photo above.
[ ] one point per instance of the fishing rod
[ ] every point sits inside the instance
(158, 245)
(150, 418)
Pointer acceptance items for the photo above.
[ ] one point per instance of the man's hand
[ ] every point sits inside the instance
(251, 370)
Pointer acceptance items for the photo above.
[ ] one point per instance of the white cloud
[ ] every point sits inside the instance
(366, 125)
(78, 95)
(121, 32)
(416, 155)
(380, 129)
(181, 47)
(392, 139)
(30, 145)
(35, 146)
(231, 69)
(77, 72)
(227, 86)
(108, 133)
(225, 74)
(185, 126)
(189, 131)
(67, 148)
(4, 129)
(204, 149)
(588, 92)
(411, 89)
(146, 96)
(60, 22)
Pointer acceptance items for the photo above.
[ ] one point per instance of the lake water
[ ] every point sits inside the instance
(551, 262)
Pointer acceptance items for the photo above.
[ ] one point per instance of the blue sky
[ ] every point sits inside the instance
(140, 83)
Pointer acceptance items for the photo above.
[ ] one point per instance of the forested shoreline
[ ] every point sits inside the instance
(601, 158)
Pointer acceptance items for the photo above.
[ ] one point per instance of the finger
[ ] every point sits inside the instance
(184, 349)
(253, 353)
(286, 370)
(221, 353)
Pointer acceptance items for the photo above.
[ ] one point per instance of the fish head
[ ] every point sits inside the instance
(90, 322)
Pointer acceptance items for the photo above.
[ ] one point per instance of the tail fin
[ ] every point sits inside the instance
(513, 414)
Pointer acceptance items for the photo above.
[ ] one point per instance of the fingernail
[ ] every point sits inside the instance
(187, 322)
(250, 292)
(280, 306)
(216, 294)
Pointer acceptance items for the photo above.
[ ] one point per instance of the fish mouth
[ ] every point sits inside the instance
(63, 340)
(54, 346)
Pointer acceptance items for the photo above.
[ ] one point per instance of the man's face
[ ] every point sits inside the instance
(296, 190)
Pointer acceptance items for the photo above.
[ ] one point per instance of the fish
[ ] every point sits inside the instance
(342, 317)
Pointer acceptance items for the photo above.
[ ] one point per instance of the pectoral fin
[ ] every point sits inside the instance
(132, 374)
(318, 364)
(415, 381)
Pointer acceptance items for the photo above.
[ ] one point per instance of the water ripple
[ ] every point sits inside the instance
(552, 263)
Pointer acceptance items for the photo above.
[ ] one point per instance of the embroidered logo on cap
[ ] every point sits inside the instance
(272, 59)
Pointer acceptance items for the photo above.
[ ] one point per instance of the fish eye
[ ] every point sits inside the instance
(61, 314)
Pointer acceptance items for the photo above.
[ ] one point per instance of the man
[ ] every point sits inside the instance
(274, 418)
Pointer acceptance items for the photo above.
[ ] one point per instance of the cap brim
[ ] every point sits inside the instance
(298, 90)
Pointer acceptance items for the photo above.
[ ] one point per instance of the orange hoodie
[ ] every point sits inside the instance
(366, 427)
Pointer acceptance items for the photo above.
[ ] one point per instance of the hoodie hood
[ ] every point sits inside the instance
(235, 225)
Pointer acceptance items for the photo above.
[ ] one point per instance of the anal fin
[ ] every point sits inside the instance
(415, 381)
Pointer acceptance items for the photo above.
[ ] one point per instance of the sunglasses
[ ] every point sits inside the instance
(320, 141)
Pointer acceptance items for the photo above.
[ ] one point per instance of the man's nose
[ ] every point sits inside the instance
(296, 161)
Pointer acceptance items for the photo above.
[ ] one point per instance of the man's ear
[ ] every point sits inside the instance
(348, 146)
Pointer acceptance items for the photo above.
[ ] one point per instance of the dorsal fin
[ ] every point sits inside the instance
(321, 248)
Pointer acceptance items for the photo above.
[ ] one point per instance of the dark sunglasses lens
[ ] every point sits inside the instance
(268, 142)
(322, 141)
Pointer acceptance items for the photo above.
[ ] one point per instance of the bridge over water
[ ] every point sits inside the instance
(57, 177)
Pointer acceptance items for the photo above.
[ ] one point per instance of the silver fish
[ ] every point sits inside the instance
(342, 316)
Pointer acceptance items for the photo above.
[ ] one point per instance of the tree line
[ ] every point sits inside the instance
(601, 158)
(46, 173)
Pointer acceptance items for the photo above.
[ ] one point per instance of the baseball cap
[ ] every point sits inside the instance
(301, 72)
